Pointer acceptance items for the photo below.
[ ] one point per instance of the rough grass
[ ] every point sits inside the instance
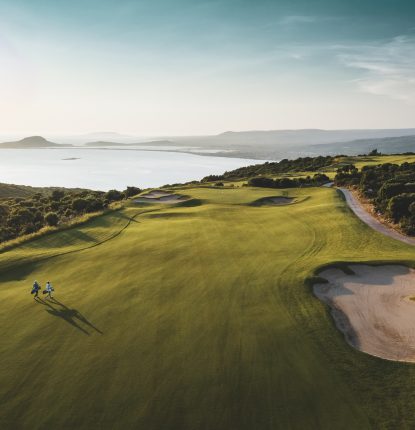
(198, 321)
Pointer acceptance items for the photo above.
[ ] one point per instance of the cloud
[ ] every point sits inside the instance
(388, 68)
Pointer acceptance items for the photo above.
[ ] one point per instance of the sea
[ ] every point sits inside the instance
(109, 168)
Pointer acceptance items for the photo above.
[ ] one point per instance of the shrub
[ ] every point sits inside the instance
(52, 218)
(57, 195)
(114, 195)
(389, 190)
(79, 205)
(4, 210)
(262, 182)
(131, 191)
(398, 206)
(94, 205)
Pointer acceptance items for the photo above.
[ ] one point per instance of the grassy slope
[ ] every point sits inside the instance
(195, 318)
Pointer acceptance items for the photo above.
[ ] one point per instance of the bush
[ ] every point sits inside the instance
(57, 195)
(261, 182)
(94, 205)
(389, 190)
(398, 206)
(52, 219)
(4, 210)
(131, 191)
(114, 195)
(79, 205)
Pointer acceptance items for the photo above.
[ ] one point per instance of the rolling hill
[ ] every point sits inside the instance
(386, 145)
(31, 142)
(194, 316)
(25, 191)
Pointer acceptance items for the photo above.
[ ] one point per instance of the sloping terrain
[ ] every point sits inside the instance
(194, 317)
(25, 191)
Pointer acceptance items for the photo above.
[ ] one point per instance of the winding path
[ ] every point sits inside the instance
(371, 221)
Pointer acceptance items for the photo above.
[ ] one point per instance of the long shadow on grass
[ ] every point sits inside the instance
(71, 316)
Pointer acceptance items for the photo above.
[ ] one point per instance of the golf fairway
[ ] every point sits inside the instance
(195, 317)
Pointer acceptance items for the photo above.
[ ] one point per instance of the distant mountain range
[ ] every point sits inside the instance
(307, 136)
(385, 145)
(263, 145)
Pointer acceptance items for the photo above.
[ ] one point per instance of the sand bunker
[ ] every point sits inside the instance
(373, 308)
(160, 197)
(274, 201)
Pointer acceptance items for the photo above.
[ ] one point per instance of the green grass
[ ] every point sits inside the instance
(195, 317)
(366, 160)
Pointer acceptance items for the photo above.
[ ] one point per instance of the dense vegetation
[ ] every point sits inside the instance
(19, 215)
(390, 187)
(262, 181)
(11, 190)
(305, 164)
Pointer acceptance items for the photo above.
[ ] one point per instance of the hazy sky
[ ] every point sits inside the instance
(160, 67)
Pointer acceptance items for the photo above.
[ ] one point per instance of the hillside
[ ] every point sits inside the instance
(386, 145)
(280, 144)
(25, 191)
(31, 142)
(287, 138)
(194, 316)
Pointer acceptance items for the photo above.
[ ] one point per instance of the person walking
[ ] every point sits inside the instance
(48, 290)
(35, 289)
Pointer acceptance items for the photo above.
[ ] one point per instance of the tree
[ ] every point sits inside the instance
(398, 206)
(114, 195)
(79, 205)
(25, 215)
(262, 182)
(131, 191)
(94, 205)
(57, 195)
(52, 219)
(389, 190)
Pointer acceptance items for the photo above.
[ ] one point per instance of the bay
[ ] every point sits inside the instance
(104, 169)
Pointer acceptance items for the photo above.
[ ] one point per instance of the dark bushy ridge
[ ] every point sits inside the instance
(19, 216)
(305, 164)
(317, 180)
(390, 187)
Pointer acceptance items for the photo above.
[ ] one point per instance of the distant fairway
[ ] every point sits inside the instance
(195, 316)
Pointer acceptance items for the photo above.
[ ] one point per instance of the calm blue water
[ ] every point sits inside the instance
(110, 168)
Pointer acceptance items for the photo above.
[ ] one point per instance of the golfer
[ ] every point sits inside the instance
(48, 290)
(35, 289)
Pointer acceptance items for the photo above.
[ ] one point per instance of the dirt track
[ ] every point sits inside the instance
(371, 221)
(373, 308)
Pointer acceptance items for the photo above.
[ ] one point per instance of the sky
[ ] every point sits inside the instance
(194, 67)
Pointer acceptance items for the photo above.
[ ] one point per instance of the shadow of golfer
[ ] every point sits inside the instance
(71, 316)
